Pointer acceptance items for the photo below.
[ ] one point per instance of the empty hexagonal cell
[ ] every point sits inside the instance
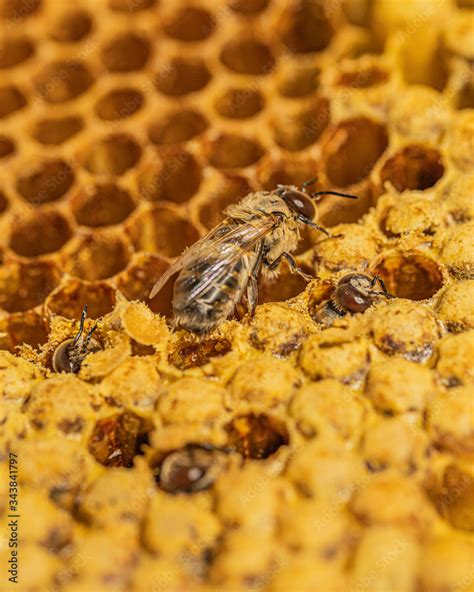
(190, 23)
(98, 255)
(230, 189)
(363, 78)
(177, 126)
(69, 299)
(239, 103)
(24, 285)
(127, 52)
(119, 104)
(112, 155)
(161, 229)
(181, 76)
(175, 177)
(62, 81)
(37, 233)
(297, 130)
(248, 6)
(352, 150)
(17, 10)
(247, 56)
(409, 274)
(226, 151)
(305, 27)
(45, 180)
(53, 131)
(27, 328)
(11, 100)
(14, 51)
(7, 146)
(138, 279)
(103, 204)
(297, 80)
(414, 167)
(71, 26)
(286, 171)
(287, 285)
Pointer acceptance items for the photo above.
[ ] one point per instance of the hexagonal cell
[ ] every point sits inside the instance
(161, 229)
(364, 78)
(285, 171)
(37, 233)
(287, 285)
(54, 131)
(119, 104)
(175, 177)
(181, 76)
(11, 100)
(297, 130)
(71, 26)
(297, 80)
(24, 285)
(305, 27)
(227, 151)
(3, 203)
(103, 204)
(139, 278)
(189, 23)
(127, 52)
(69, 299)
(248, 6)
(193, 353)
(62, 80)
(14, 51)
(409, 274)
(248, 56)
(45, 181)
(27, 328)
(257, 436)
(112, 155)
(230, 189)
(414, 167)
(7, 146)
(177, 127)
(127, 6)
(352, 149)
(239, 103)
(98, 255)
(17, 10)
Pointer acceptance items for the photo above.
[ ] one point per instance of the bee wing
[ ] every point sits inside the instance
(172, 269)
(230, 247)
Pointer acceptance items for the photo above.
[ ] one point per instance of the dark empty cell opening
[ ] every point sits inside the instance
(128, 6)
(119, 104)
(232, 151)
(69, 300)
(190, 23)
(39, 234)
(28, 329)
(248, 6)
(415, 167)
(71, 26)
(194, 353)
(231, 189)
(176, 178)
(287, 285)
(363, 78)
(182, 76)
(248, 56)
(117, 439)
(62, 81)
(410, 275)
(102, 205)
(126, 53)
(352, 150)
(179, 126)
(14, 51)
(285, 172)
(25, 285)
(112, 155)
(56, 131)
(306, 27)
(303, 129)
(256, 436)
(3, 204)
(239, 103)
(11, 100)
(17, 10)
(298, 81)
(7, 146)
(99, 257)
(465, 95)
(47, 181)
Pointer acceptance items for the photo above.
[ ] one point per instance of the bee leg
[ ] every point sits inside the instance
(312, 224)
(293, 266)
(252, 294)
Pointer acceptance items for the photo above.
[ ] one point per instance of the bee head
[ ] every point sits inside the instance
(297, 201)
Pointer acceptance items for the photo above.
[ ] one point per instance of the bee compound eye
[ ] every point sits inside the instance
(352, 299)
(61, 359)
(299, 202)
(190, 470)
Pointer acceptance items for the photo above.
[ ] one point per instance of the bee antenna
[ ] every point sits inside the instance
(89, 335)
(81, 325)
(308, 183)
(348, 195)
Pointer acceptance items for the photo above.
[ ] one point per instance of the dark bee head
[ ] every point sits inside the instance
(355, 292)
(297, 201)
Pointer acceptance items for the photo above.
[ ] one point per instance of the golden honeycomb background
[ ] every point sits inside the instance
(342, 448)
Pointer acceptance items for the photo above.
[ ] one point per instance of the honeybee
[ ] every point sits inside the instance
(255, 236)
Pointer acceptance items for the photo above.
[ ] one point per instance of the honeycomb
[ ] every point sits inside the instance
(297, 450)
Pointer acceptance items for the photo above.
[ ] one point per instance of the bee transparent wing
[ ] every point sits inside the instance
(172, 269)
(228, 248)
